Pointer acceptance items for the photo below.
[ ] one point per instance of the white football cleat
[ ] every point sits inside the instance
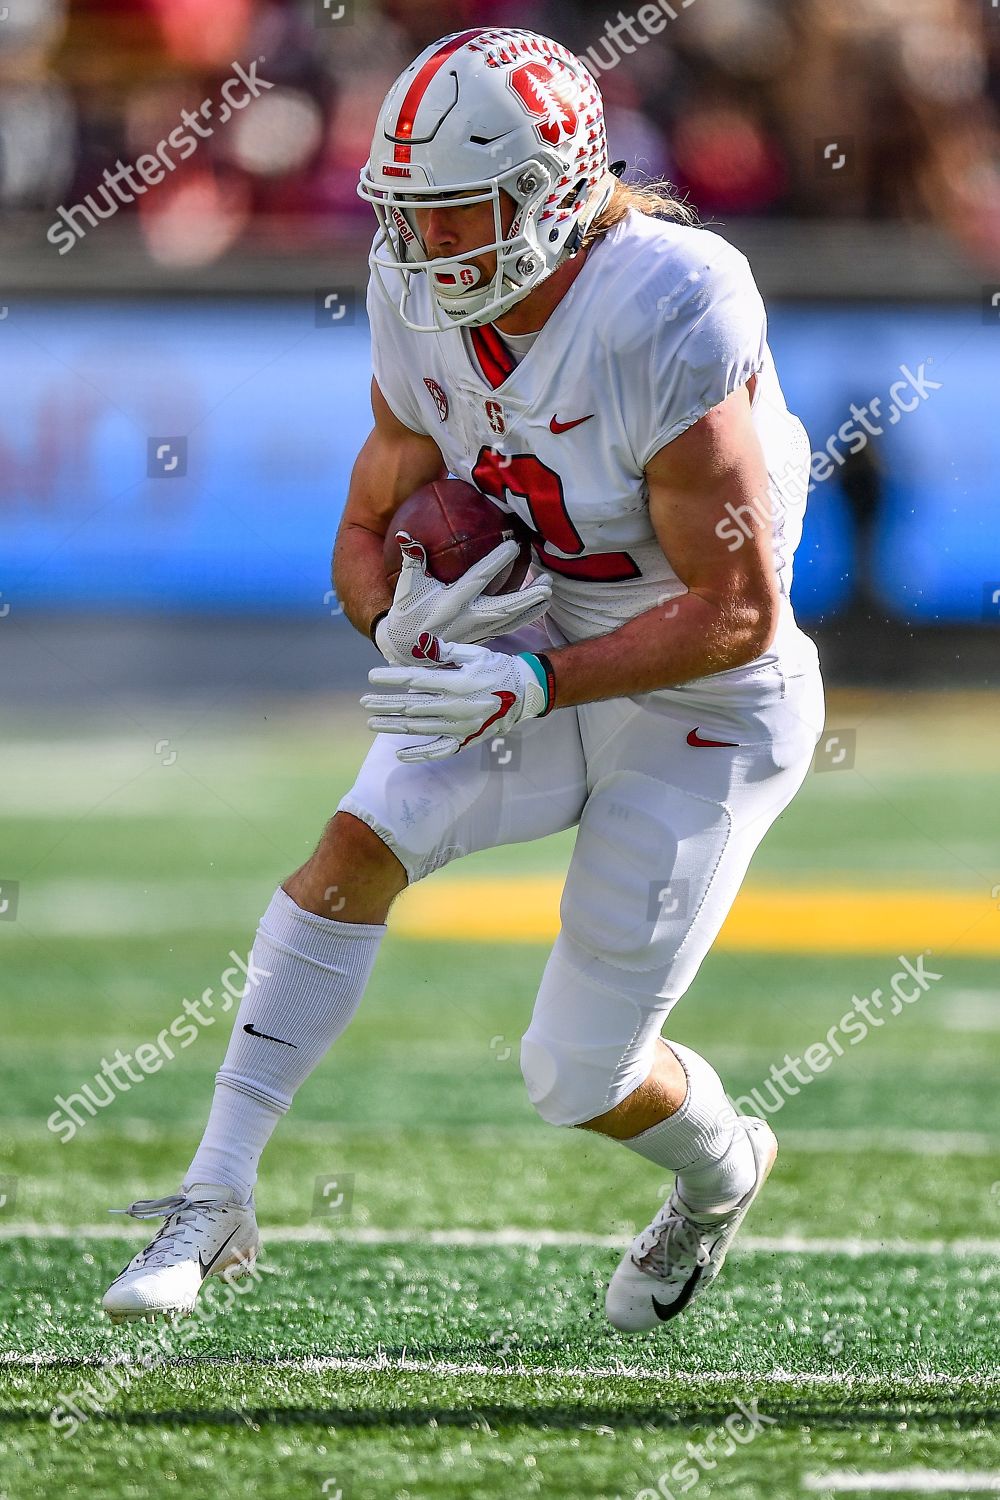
(681, 1252)
(207, 1231)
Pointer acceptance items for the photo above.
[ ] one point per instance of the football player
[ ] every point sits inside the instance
(586, 356)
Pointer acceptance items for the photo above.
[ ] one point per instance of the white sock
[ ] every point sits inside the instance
(712, 1157)
(307, 975)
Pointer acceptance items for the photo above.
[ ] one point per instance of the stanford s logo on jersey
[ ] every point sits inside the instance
(495, 417)
(546, 98)
(440, 399)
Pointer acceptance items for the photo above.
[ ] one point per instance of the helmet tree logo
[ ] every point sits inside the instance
(546, 98)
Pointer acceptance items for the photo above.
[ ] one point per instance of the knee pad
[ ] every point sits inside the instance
(416, 810)
(591, 1043)
(622, 868)
(644, 863)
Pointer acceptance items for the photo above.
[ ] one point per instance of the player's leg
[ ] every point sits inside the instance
(305, 976)
(664, 842)
(314, 951)
(318, 939)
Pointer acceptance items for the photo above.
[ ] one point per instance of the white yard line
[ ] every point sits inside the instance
(903, 1482)
(516, 1238)
(360, 1365)
(819, 1141)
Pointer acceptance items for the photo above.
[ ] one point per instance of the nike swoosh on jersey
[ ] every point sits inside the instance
(694, 738)
(206, 1268)
(556, 426)
(507, 701)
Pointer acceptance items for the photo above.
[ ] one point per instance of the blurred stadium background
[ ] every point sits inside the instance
(855, 157)
(182, 394)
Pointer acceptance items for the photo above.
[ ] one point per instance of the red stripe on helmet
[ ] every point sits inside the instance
(417, 89)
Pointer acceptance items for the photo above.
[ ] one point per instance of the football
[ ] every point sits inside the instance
(457, 526)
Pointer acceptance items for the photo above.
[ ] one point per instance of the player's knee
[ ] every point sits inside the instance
(593, 1035)
(571, 1081)
(348, 843)
(351, 876)
(421, 812)
(351, 839)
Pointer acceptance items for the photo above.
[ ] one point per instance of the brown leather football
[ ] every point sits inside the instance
(457, 526)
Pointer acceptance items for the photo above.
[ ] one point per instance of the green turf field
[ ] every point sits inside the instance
(442, 1333)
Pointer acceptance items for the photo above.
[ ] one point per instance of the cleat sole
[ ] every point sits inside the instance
(147, 1315)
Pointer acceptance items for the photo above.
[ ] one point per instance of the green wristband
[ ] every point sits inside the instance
(542, 668)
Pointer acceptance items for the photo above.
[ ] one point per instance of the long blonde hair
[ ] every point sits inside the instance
(655, 197)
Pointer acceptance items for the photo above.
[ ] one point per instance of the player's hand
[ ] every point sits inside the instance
(468, 693)
(458, 611)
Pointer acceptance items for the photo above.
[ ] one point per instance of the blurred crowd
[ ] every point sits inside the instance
(884, 109)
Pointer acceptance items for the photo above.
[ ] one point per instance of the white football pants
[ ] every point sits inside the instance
(667, 828)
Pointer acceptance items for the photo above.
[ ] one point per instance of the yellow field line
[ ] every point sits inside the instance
(776, 919)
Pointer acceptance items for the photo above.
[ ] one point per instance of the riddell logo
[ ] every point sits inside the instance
(405, 232)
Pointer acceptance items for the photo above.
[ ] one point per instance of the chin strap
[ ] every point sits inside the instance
(575, 241)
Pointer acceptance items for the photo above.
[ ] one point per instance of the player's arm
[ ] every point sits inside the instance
(727, 617)
(729, 614)
(393, 463)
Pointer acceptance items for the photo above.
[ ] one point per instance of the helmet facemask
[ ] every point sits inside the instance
(525, 256)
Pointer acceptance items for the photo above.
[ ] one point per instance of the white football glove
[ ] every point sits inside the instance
(458, 611)
(470, 692)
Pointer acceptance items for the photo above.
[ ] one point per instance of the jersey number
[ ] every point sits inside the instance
(524, 475)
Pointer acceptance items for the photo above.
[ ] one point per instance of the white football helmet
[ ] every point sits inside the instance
(477, 112)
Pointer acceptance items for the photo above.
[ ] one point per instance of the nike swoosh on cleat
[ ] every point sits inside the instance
(694, 738)
(556, 426)
(667, 1310)
(206, 1268)
(251, 1031)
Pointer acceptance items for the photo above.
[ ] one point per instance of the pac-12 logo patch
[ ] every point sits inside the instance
(495, 417)
(440, 399)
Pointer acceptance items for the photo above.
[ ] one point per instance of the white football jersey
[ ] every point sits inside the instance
(663, 323)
